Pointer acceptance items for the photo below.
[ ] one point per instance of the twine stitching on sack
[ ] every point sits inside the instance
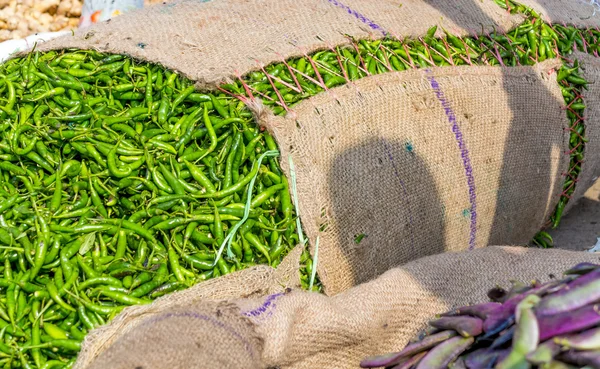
(291, 73)
(363, 66)
(339, 60)
(281, 100)
(464, 152)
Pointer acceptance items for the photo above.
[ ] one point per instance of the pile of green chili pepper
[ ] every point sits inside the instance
(120, 183)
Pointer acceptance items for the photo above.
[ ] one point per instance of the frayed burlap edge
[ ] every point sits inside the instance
(252, 282)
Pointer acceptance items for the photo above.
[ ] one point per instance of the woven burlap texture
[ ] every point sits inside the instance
(590, 168)
(183, 338)
(211, 41)
(580, 13)
(424, 161)
(252, 282)
(301, 330)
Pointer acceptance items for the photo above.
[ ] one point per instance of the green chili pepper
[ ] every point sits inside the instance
(124, 298)
(181, 97)
(52, 290)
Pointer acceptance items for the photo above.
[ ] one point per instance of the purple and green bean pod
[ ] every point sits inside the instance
(540, 325)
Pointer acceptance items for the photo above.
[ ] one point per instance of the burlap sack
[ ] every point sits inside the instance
(254, 282)
(307, 330)
(590, 168)
(425, 161)
(212, 41)
(183, 338)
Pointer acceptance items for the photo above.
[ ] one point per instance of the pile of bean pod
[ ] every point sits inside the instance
(282, 85)
(551, 325)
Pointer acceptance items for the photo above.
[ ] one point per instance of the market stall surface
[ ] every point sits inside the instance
(580, 228)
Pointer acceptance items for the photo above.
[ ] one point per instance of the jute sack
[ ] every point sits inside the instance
(213, 41)
(415, 162)
(425, 161)
(306, 330)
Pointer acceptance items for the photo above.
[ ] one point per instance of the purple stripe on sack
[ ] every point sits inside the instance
(359, 16)
(464, 152)
(269, 303)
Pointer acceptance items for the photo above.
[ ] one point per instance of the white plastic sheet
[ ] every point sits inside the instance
(10, 47)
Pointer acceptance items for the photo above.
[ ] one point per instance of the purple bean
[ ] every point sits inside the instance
(584, 279)
(527, 331)
(544, 353)
(441, 355)
(560, 286)
(411, 349)
(555, 364)
(480, 310)
(482, 359)
(582, 268)
(588, 340)
(410, 362)
(519, 288)
(507, 310)
(582, 291)
(466, 326)
(526, 336)
(458, 364)
(591, 358)
(568, 322)
(428, 331)
(501, 327)
(504, 338)
(502, 314)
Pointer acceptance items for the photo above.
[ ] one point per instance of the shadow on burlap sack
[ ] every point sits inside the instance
(425, 161)
(307, 330)
(581, 13)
